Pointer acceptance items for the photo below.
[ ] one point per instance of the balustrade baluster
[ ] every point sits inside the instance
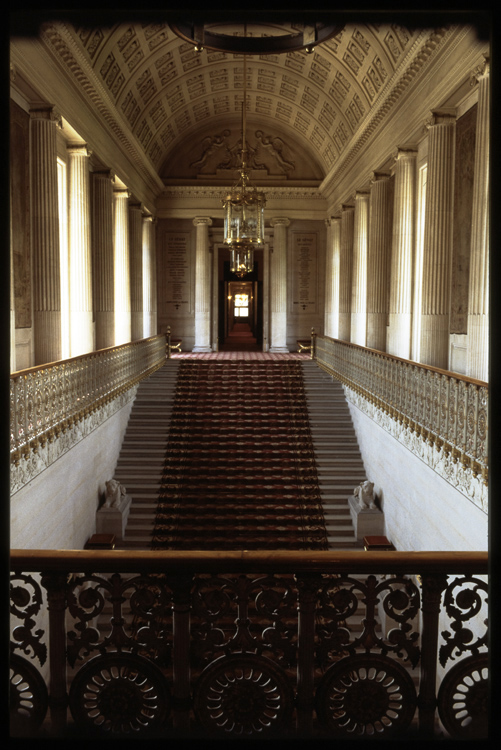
(55, 585)
(432, 589)
(308, 586)
(181, 650)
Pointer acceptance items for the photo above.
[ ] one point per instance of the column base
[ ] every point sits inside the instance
(201, 349)
(278, 350)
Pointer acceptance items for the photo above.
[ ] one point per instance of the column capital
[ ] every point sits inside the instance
(379, 177)
(78, 149)
(46, 112)
(104, 174)
(135, 206)
(150, 218)
(361, 194)
(280, 221)
(347, 207)
(481, 71)
(121, 192)
(202, 220)
(332, 220)
(440, 117)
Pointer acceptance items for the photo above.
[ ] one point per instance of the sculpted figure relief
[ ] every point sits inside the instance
(365, 494)
(113, 494)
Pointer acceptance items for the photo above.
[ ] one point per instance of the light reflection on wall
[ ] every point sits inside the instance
(63, 258)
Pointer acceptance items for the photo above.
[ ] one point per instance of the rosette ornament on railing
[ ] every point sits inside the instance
(448, 410)
(47, 400)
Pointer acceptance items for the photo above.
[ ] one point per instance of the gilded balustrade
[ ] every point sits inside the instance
(344, 645)
(46, 400)
(448, 410)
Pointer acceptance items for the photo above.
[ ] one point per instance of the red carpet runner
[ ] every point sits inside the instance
(239, 470)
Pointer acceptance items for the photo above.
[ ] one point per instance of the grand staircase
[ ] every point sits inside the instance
(339, 464)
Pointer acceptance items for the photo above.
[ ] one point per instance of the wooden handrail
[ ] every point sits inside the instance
(251, 561)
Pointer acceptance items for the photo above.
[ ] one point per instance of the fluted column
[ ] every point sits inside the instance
(400, 318)
(478, 296)
(345, 272)
(378, 260)
(202, 285)
(359, 289)
(278, 286)
(46, 260)
(438, 243)
(136, 270)
(331, 322)
(80, 264)
(103, 260)
(149, 278)
(122, 265)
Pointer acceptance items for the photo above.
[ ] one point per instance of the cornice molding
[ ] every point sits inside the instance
(216, 192)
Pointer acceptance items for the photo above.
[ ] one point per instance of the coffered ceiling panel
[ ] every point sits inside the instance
(173, 97)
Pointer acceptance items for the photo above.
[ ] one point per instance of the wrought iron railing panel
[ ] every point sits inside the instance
(47, 400)
(446, 409)
(329, 645)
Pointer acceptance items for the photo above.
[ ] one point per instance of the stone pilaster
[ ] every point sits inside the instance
(378, 260)
(46, 259)
(80, 263)
(478, 296)
(136, 270)
(345, 272)
(400, 318)
(202, 285)
(438, 243)
(122, 265)
(149, 278)
(359, 282)
(103, 260)
(331, 320)
(278, 284)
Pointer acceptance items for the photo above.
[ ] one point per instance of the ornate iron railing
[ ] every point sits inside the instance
(342, 645)
(46, 400)
(448, 410)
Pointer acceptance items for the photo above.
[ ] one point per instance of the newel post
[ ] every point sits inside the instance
(313, 344)
(168, 342)
(308, 586)
(432, 589)
(55, 585)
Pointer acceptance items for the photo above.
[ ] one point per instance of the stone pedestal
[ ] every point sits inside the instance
(114, 520)
(366, 521)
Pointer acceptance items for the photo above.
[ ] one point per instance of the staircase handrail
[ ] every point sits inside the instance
(46, 399)
(447, 409)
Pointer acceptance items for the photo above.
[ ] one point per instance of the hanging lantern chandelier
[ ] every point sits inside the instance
(243, 211)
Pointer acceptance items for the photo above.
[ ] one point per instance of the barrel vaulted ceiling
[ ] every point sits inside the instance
(178, 111)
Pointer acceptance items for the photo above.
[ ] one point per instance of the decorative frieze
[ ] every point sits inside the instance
(438, 459)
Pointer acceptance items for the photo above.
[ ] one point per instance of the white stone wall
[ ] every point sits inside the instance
(423, 512)
(57, 509)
